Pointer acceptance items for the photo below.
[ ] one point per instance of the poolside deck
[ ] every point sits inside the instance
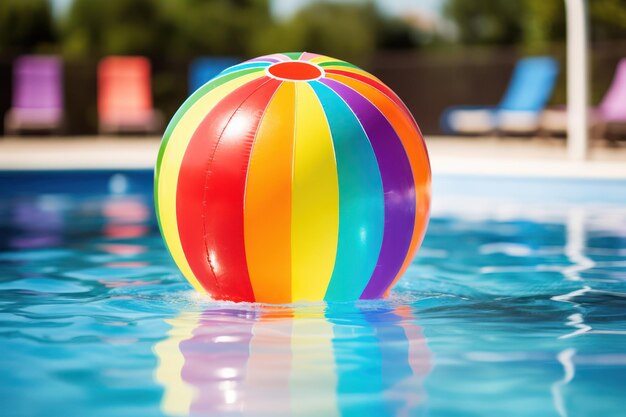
(449, 155)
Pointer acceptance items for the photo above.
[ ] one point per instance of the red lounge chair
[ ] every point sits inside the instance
(125, 96)
(37, 102)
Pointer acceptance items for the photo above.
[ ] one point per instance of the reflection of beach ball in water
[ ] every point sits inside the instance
(293, 177)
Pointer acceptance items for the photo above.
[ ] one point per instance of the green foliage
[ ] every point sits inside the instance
(544, 22)
(100, 27)
(487, 21)
(533, 23)
(608, 19)
(183, 29)
(25, 26)
(395, 33)
(218, 27)
(352, 31)
(342, 30)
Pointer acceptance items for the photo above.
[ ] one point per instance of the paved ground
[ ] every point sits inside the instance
(522, 157)
(471, 156)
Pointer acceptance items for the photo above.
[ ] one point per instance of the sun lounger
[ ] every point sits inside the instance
(204, 69)
(37, 102)
(520, 109)
(611, 113)
(125, 96)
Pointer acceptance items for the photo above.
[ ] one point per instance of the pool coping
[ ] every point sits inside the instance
(506, 157)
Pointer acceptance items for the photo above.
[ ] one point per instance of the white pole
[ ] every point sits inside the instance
(577, 79)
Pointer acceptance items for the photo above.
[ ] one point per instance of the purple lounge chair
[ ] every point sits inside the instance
(37, 102)
(611, 111)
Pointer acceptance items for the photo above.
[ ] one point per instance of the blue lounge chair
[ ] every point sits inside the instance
(520, 109)
(203, 69)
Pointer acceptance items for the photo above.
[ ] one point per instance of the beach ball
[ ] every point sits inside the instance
(293, 177)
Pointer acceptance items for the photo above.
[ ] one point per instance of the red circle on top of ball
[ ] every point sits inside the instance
(295, 70)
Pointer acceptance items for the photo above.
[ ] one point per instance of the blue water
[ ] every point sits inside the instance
(515, 306)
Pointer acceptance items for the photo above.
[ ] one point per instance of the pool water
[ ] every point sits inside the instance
(515, 305)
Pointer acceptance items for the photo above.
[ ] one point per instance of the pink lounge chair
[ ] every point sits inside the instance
(611, 112)
(37, 102)
(125, 96)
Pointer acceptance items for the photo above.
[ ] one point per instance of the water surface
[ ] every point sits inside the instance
(514, 306)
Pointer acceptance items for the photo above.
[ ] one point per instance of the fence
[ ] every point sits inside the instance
(427, 81)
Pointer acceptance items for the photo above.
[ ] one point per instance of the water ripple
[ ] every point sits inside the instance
(504, 312)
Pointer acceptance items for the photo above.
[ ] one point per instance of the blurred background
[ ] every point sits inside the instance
(434, 53)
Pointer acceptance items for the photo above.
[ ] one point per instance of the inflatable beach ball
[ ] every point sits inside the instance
(293, 177)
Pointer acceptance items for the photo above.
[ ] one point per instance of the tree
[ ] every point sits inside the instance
(25, 26)
(351, 31)
(101, 27)
(487, 21)
(544, 22)
(182, 29)
(608, 19)
(534, 23)
(217, 27)
(342, 30)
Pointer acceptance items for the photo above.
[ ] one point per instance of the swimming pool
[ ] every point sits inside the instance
(515, 305)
